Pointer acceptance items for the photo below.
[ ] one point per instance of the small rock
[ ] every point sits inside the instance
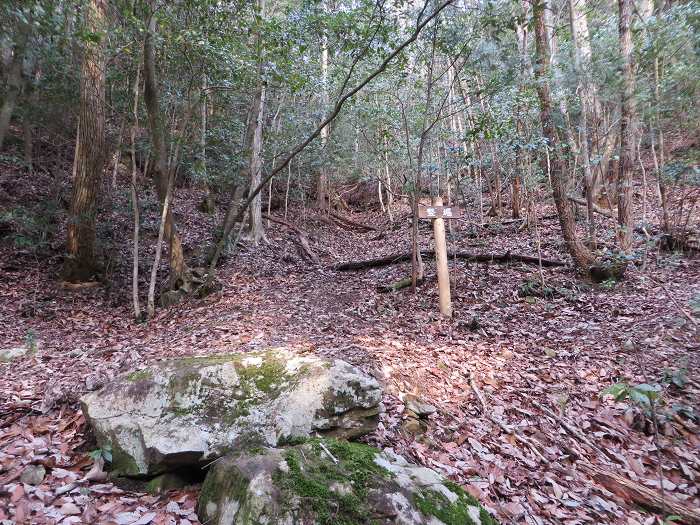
(414, 426)
(69, 509)
(94, 381)
(33, 475)
(342, 489)
(9, 354)
(417, 405)
(127, 518)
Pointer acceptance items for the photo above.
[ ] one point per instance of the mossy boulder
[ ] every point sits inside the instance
(327, 481)
(186, 412)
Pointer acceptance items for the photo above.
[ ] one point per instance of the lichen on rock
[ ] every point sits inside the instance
(186, 412)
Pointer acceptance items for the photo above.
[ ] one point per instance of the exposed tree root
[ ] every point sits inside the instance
(301, 237)
(633, 492)
(344, 221)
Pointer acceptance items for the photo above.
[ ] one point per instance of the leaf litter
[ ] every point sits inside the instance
(539, 365)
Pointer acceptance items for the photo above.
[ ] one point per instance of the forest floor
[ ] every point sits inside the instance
(541, 363)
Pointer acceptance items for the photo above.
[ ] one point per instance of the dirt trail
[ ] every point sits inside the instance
(518, 350)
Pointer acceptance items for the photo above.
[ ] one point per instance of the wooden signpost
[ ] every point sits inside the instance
(438, 213)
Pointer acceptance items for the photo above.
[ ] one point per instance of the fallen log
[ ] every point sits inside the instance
(596, 208)
(301, 237)
(487, 258)
(399, 285)
(633, 492)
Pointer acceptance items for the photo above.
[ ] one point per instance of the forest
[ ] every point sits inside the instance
(349, 262)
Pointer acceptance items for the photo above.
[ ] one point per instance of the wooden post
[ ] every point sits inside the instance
(441, 262)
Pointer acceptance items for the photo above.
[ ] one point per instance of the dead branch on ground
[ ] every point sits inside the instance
(402, 257)
(301, 237)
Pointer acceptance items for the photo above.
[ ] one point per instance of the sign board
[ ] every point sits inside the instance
(439, 212)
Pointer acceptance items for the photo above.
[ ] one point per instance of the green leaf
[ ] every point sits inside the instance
(650, 391)
(618, 391)
(639, 397)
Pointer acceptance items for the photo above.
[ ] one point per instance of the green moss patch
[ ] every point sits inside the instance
(266, 377)
(433, 503)
(311, 475)
(140, 375)
(258, 382)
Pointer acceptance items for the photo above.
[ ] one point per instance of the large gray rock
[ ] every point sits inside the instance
(326, 481)
(187, 412)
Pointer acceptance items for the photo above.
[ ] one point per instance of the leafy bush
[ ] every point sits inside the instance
(28, 229)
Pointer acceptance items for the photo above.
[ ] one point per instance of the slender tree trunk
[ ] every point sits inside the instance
(81, 263)
(117, 157)
(322, 186)
(585, 91)
(150, 307)
(15, 81)
(255, 224)
(594, 122)
(580, 254)
(28, 144)
(256, 232)
(660, 162)
(417, 267)
(179, 273)
(553, 48)
(135, 201)
(387, 182)
(627, 130)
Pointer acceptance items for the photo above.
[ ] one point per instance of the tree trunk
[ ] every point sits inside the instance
(179, 273)
(417, 267)
(322, 190)
(81, 263)
(256, 232)
(660, 161)
(627, 131)
(255, 224)
(15, 81)
(580, 35)
(135, 202)
(28, 144)
(581, 255)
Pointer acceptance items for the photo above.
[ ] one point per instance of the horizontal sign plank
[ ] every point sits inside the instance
(439, 212)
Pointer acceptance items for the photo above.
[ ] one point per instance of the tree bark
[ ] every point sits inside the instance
(179, 273)
(256, 231)
(322, 192)
(81, 263)
(255, 225)
(579, 32)
(135, 202)
(28, 144)
(581, 255)
(627, 130)
(15, 81)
